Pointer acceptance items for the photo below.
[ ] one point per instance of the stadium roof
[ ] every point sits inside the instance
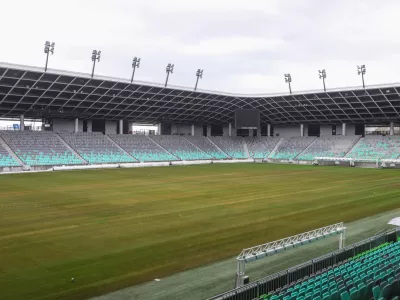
(61, 94)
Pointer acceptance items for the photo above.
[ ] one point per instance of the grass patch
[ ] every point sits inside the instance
(111, 229)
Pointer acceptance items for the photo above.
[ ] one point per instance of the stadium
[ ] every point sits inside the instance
(228, 172)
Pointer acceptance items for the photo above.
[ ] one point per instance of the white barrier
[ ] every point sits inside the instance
(190, 162)
(233, 161)
(145, 164)
(85, 167)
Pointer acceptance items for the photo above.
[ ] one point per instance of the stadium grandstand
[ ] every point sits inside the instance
(87, 121)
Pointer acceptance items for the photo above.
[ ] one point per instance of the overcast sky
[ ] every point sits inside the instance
(243, 46)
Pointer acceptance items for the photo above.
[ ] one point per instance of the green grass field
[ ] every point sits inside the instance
(111, 229)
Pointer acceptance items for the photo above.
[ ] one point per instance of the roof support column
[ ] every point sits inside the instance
(121, 126)
(230, 129)
(268, 130)
(301, 130)
(259, 131)
(192, 129)
(344, 129)
(22, 122)
(391, 128)
(159, 129)
(76, 125)
(208, 130)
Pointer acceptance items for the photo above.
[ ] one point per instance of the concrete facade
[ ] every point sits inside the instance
(111, 127)
(198, 130)
(225, 130)
(89, 125)
(289, 131)
(350, 129)
(184, 129)
(187, 129)
(67, 125)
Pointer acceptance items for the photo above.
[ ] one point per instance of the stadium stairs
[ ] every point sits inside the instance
(211, 153)
(121, 149)
(246, 150)
(354, 144)
(14, 160)
(216, 146)
(306, 148)
(70, 149)
(273, 152)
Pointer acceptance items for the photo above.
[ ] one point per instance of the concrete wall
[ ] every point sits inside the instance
(185, 129)
(198, 130)
(326, 130)
(66, 125)
(111, 127)
(226, 130)
(350, 129)
(89, 126)
(288, 131)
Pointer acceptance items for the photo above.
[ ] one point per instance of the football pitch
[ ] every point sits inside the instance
(109, 229)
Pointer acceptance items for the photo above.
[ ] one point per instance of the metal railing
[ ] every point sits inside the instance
(279, 280)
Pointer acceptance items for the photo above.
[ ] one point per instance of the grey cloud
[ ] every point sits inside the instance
(310, 34)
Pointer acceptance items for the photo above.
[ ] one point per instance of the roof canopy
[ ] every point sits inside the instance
(60, 94)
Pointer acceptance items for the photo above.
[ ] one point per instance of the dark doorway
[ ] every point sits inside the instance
(314, 130)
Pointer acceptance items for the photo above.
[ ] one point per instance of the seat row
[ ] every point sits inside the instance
(372, 275)
(47, 148)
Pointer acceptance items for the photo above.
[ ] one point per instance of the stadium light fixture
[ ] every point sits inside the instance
(95, 56)
(48, 48)
(169, 69)
(135, 64)
(322, 75)
(199, 74)
(361, 70)
(288, 80)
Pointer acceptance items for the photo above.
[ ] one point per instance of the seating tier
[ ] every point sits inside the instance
(96, 148)
(142, 148)
(233, 146)
(180, 147)
(38, 148)
(333, 146)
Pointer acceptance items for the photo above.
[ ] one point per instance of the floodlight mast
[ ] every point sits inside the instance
(169, 69)
(322, 75)
(48, 48)
(361, 70)
(135, 64)
(288, 79)
(199, 74)
(95, 56)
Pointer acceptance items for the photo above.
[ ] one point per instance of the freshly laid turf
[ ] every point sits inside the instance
(114, 228)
